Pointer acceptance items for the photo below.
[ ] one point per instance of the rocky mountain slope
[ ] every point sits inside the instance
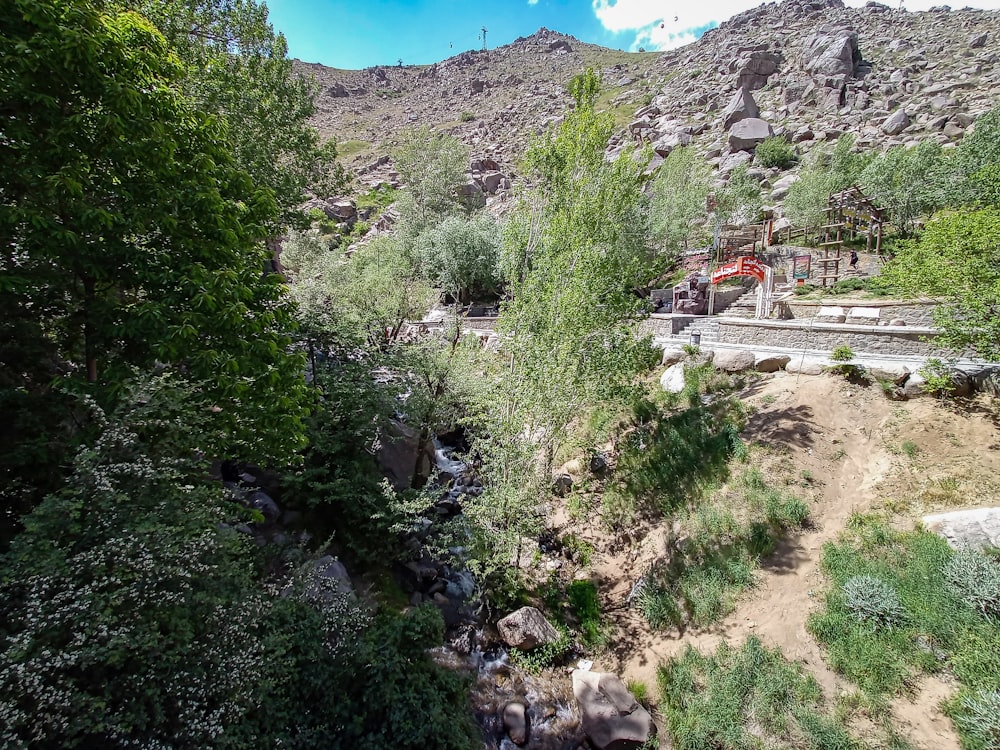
(807, 69)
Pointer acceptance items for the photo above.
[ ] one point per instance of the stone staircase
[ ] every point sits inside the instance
(707, 328)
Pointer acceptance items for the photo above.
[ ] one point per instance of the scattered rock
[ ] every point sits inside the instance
(515, 722)
(896, 123)
(771, 362)
(672, 380)
(740, 107)
(672, 356)
(526, 629)
(611, 716)
(804, 365)
(733, 360)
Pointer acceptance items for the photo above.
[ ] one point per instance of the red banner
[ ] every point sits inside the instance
(745, 265)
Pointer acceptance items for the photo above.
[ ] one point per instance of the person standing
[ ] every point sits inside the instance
(854, 260)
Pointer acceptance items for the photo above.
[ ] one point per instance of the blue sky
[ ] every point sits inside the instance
(361, 33)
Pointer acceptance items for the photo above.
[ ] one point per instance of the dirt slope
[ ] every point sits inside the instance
(847, 449)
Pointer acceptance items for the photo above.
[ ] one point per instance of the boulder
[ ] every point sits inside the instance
(262, 502)
(562, 485)
(672, 380)
(670, 141)
(754, 70)
(610, 715)
(526, 629)
(967, 528)
(672, 356)
(896, 123)
(888, 372)
(733, 360)
(515, 722)
(399, 456)
(343, 209)
(734, 160)
(741, 106)
(914, 386)
(771, 362)
(804, 366)
(832, 52)
(979, 40)
(747, 133)
(781, 186)
(831, 314)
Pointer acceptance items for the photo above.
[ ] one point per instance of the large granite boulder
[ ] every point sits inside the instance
(967, 528)
(747, 133)
(896, 123)
(526, 629)
(740, 107)
(754, 70)
(771, 362)
(832, 52)
(733, 360)
(672, 379)
(611, 716)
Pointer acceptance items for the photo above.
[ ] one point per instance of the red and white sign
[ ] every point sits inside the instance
(745, 265)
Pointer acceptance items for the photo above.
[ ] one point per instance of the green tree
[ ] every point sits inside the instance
(739, 202)
(956, 259)
(236, 67)
(128, 237)
(977, 159)
(432, 166)
(461, 256)
(912, 183)
(825, 172)
(680, 191)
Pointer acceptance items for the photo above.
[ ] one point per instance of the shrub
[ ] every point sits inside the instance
(873, 601)
(842, 353)
(801, 291)
(975, 579)
(938, 379)
(467, 117)
(587, 607)
(980, 719)
(775, 152)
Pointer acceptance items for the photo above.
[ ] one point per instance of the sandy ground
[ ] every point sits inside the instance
(860, 452)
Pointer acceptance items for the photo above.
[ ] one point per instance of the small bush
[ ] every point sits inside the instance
(467, 117)
(975, 579)
(587, 607)
(873, 601)
(979, 719)
(775, 152)
(544, 657)
(802, 291)
(938, 379)
(842, 353)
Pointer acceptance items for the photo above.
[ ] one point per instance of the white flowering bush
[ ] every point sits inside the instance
(134, 614)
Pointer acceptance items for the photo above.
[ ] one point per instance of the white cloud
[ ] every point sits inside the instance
(532, 2)
(654, 24)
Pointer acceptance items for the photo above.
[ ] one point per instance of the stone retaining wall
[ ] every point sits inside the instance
(665, 324)
(915, 313)
(906, 340)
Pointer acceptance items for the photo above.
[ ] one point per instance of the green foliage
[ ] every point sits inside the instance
(139, 240)
(955, 259)
(725, 536)
(237, 68)
(842, 353)
(132, 587)
(824, 172)
(943, 627)
(745, 697)
(911, 183)
(432, 166)
(586, 607)
(975, 578)
(680, 190)
(873, 602)
(979, 719)
(978, 161)
(774, 152)
(739, 202)
(545, 656)
(467, 117)
(461, 256)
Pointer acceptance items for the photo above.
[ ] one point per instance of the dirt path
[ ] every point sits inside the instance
(845, 442)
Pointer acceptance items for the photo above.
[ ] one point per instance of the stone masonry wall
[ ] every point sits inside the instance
(908, 340)
(917, 313)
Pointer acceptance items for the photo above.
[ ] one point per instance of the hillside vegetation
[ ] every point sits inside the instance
(229, 517)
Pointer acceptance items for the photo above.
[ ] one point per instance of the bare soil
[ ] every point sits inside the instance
(843, 448)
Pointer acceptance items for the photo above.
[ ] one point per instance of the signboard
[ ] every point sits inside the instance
(801, 266)
(745, 265)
